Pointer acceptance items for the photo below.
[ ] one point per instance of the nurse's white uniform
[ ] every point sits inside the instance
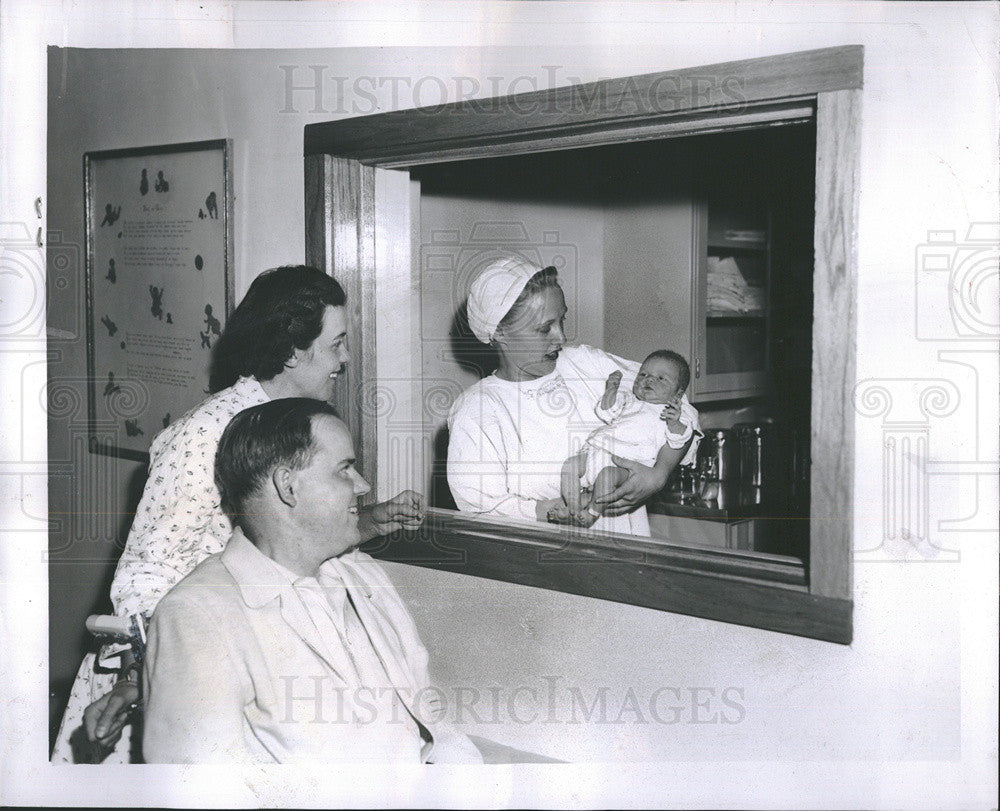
(508, 440)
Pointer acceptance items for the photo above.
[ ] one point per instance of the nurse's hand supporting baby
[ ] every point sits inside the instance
(643, 481)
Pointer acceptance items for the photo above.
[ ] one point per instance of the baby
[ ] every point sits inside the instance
(639, 423)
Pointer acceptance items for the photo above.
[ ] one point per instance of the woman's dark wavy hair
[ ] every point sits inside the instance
(282, 311)
(259, 439)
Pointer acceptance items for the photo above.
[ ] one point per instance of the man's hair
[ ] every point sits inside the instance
(546, 277)
(274, 434)
(683, 369)
(281, 312)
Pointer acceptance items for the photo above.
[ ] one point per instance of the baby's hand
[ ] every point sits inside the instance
(610, 390)
(671, 410)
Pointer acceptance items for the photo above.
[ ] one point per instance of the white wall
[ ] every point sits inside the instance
(908, 698)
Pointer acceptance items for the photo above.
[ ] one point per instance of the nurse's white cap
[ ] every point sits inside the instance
(494, 292)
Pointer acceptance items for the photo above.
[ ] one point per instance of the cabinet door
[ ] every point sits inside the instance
(730, 304)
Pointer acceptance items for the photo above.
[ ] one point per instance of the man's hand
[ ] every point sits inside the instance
(642, 482)
(104, 719)
(405, 511)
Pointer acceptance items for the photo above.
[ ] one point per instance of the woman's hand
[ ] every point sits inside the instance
(405, 511)
(643, 481)
(105, 718)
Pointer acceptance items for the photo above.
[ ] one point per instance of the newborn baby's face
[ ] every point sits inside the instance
(656, 381)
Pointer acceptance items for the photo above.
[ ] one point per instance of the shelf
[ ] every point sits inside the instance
(734, 314)
(733, 228)
(735, 247)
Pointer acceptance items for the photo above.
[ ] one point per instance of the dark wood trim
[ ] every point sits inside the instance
(597, 112)
(835, 282)
(363, 344)
(727, 585)
(230, 226)
(340, 216)
(670, 125)
(761, 591)
(318, 203)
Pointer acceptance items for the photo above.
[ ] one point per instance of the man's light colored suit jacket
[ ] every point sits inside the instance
(237, 671)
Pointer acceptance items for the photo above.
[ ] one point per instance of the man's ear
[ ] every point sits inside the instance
(293, 359)
(284, 486)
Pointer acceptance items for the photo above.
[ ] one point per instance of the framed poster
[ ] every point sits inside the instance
(159, 247)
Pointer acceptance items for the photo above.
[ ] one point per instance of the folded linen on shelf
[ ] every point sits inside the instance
(728, 290)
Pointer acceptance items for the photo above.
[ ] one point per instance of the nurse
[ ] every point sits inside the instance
(511, 431)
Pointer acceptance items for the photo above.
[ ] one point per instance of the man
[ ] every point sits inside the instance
(287, 338)
(290, 644)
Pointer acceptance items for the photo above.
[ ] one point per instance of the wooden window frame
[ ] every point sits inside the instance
(361, 234)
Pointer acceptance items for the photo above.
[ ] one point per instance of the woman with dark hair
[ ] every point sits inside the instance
(287, 338)
(282, 311)
(511, 432)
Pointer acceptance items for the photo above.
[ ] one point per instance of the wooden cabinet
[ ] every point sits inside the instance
(691, 275)
(731, 307)
(731, 534)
